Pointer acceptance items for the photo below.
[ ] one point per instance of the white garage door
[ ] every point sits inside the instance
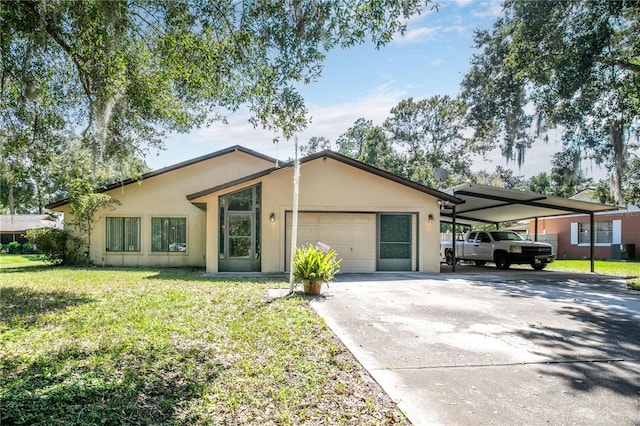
(351, 235)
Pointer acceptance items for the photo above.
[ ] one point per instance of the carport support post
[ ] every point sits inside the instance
(592, 238)
(453, 242)
(535, 231)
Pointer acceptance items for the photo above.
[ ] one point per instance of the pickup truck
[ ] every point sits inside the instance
(504, 248)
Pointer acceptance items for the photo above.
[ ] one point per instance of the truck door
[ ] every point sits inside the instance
(484, 246)
(469, 249)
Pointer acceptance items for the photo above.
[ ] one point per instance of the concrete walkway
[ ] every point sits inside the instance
(505, 349)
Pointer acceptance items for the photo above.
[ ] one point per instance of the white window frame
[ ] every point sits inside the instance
(616, 233)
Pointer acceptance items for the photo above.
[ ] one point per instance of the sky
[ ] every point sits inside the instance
(430, 59)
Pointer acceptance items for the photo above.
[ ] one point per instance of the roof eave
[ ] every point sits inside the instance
(171, 168)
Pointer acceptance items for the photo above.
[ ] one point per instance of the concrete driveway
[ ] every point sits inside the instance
(495, 348)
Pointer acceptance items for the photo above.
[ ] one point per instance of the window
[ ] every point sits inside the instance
(483, 237)
(123, 234)
(168, 234)
(604, 233)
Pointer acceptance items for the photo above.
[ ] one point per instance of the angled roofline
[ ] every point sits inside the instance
(172, 168)
(345, 160)
(233, 183)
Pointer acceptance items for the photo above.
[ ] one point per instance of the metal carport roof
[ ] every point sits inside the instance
(492, 205)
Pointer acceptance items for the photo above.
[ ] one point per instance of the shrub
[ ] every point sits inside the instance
(313, 264)
(14, 247)
(27, 248)
(58, 247)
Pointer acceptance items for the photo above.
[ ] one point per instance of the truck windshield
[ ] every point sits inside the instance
(507, 235)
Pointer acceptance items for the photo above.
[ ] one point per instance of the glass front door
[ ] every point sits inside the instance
(239, 232)
(240, 241)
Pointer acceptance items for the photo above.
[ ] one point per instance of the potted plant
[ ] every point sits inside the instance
(314, 267)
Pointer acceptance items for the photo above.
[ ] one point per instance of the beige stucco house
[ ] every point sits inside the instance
(232, 211)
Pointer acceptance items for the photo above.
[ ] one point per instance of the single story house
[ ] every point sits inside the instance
(232, 211)
(13, 227)
(617, 234)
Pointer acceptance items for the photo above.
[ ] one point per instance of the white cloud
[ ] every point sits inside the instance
(329, 122)
(417, 35)
(490, 9)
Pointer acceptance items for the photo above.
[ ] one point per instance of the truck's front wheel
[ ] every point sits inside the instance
(501, 261)
(537, 265)
(449, 257)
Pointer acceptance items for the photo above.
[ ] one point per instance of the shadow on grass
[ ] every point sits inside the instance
(150, 385)
(23, 307)
(25, 268)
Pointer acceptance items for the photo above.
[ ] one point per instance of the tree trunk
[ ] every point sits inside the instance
(12, 207)
(619, 160)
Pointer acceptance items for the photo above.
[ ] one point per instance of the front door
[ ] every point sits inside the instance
(239, 244)
(240, 241)
(394, 242)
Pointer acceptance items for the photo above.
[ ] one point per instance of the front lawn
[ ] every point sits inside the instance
(10, 260)
(165, 346)
(631, 269)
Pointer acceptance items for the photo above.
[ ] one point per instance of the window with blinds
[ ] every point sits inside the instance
(123, 234)
(604, 233)
(168, 234)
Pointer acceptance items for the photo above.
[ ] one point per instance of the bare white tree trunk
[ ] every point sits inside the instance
(294, 224)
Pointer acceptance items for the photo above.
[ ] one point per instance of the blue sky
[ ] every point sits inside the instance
(430, 59)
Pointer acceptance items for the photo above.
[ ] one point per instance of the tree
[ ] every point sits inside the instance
(131, 70)
(351, 143)
(566, 174)
(377, 151)
(315, 144)
(571, 67)
(541, 184)
(84, 209)
(631, 184)
(430, 132)
(602, 193)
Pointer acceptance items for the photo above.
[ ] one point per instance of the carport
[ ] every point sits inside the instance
(492, 205)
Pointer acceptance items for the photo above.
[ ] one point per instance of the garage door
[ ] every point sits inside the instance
(352, 235)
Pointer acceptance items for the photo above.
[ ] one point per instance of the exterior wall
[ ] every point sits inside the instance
(164, 195)
(331, 186)
(561, 226)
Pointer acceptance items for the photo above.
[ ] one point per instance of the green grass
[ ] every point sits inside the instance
(9, 260)
(165, 346)
(630, 270)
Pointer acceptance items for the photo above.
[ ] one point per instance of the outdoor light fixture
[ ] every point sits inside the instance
(272, 218)
(430, 218)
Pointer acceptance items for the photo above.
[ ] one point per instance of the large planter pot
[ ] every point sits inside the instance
(312, 286)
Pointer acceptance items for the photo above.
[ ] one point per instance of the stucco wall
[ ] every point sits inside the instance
(164, 196)
(329, 185)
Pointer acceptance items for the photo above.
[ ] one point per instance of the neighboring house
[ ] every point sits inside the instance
(232, 211)
(14, 227)
(617, 233)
